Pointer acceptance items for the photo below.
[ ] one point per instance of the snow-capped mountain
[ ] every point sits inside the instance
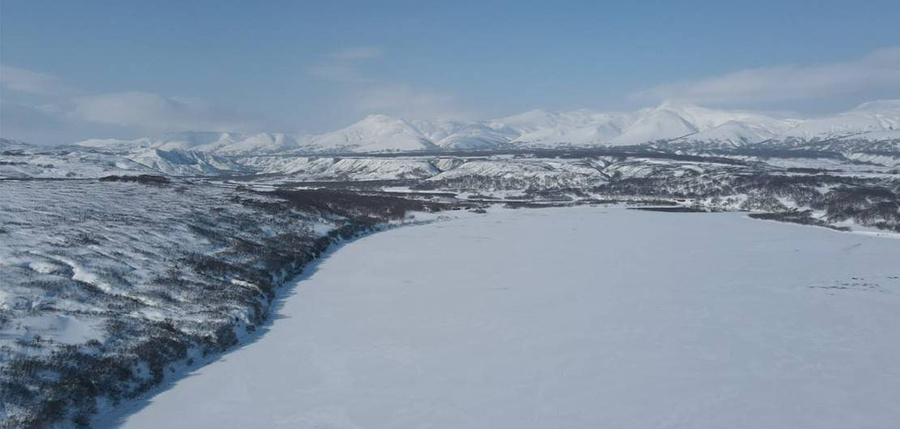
(670, 122)
(381, 133)
(580, 127)
(874, 120)
(376, 133)
(687, 122)
(539, 128)
(657, 124)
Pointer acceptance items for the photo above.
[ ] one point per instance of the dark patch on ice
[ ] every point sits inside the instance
(855, 283)
(675, 209)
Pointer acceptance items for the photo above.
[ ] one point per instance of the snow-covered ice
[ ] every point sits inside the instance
(584, 317)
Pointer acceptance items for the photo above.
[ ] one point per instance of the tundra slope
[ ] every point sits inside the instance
(107, 287)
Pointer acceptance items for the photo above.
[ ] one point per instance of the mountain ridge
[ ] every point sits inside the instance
(670, 121)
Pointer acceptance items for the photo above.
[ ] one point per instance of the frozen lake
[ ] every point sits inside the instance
(571, 318)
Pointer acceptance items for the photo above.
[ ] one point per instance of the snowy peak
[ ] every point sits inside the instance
(709, 125)
(671, 120)
(375, 133)
(381, 133)
(661, 123)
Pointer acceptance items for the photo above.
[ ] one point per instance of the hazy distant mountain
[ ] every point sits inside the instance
(874, 120)
(7, 144)
(215, 142)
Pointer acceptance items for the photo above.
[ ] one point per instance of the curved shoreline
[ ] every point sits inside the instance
(115, 416)
(348, 307)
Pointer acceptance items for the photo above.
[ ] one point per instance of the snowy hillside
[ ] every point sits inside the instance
(83, 269)
(7, 144)
(186, 162)
(109, 287)
(348, 168)
(35, 162)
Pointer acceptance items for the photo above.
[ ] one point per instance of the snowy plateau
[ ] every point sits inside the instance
(675, 266)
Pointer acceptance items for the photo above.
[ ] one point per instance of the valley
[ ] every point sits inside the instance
(449, 215)
(127, 265)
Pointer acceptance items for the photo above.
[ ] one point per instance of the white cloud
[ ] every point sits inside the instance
(22, 80)
(148, 111)
(879, 70)
(367, 95)
(139, 111)
(405, 101)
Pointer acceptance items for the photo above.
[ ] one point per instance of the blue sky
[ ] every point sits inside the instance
(73, 70)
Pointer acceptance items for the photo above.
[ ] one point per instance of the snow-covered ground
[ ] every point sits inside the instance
(573, 318)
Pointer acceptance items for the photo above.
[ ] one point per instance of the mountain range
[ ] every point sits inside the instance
(668, 122)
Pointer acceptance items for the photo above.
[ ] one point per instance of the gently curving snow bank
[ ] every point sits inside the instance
(571, 318)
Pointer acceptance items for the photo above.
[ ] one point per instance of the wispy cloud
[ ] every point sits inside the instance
(406, 101)
(135, 110)
(876, 71)
(345, 65)
(365, 94)
(29, 81)
(149, 112)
